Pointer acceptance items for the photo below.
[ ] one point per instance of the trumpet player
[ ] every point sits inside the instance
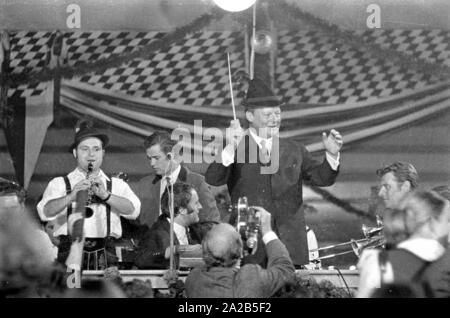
(109, 199)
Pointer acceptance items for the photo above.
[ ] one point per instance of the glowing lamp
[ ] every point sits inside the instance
(234, 5)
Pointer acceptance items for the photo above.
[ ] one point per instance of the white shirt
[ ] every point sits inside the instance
(369, 269)
(95, 226)
(172, 177)
(180, 232)
(228, 152)
(269, 236)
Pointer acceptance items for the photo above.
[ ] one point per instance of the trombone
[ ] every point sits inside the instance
(373, 238)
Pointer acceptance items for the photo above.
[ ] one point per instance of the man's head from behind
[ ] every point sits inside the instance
(12, 196)
(158, 148)
(21, 261)
(186, 204)
(427, 215)
(396, 182)
(222, 246)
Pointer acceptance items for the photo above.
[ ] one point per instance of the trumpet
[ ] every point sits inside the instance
(373, 238)
(377, 241)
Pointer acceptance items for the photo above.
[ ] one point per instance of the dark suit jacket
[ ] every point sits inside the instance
(437, 277)
(148, 191)
(153, 245)
(280, 193)
(249, 281)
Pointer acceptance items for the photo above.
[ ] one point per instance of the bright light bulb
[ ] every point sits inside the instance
(234, 5)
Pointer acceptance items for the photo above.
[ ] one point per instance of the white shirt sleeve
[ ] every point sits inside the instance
(334, 163)
(269, 236)
(122, 189)
(370, 273)
(228, 155)
(55, 189)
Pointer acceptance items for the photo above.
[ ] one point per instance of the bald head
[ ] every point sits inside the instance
(222, 246)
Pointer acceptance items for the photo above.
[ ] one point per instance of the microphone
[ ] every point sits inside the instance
(169, 167)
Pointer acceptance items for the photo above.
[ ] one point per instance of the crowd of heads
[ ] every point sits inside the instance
(422, 213)
(411, 211)
(416, 220)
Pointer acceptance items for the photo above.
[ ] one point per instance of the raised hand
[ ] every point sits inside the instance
(234, 133)
(265, 217)
(333, 142)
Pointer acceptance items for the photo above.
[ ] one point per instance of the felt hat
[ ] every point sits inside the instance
(260, 95)
(85, 130)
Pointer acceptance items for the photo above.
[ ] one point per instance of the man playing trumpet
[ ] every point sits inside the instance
(113, 198)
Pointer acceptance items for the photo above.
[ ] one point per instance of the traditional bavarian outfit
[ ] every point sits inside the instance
(103, 227)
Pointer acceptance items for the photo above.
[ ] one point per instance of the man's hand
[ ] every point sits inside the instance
(82, 185)
(234, 133)
(75, 226)
(333, 142)
(167, 252)
(265, 218)
(99, 188)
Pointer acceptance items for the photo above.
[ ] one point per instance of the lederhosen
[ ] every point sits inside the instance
(99, 253)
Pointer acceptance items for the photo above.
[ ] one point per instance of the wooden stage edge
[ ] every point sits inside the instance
(339, 278)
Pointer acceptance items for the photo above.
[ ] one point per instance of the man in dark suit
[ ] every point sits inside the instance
(270, 171)
(154, 247)
(221, 278)
(164, 164)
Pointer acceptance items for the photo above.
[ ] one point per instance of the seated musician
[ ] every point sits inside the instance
(154, 247)
(108, 200)
(165, 163)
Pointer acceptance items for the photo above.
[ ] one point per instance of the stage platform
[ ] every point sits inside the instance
(340, 278)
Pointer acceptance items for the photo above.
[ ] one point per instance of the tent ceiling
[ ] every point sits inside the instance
(164, 15)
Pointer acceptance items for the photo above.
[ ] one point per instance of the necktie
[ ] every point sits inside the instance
(264, 156)
(188, 236)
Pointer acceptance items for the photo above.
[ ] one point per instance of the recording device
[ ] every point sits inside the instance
(248, 225)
